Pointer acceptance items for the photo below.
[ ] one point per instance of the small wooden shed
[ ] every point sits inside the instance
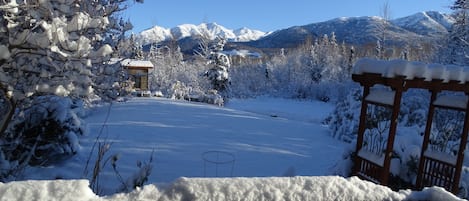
(138, 72)
(436, 167)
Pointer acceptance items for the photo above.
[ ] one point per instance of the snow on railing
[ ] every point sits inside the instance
(381, 96)
(451, 101)
(412, 69)
(372, 157)
(441, 156)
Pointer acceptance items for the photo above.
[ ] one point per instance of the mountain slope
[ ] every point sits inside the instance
(423, 26)
(429, 23)
(155, 34)
(363, 30)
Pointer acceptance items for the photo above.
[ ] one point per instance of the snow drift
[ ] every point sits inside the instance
(269, 188)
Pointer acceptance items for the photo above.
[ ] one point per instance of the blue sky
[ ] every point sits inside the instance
(267, 15)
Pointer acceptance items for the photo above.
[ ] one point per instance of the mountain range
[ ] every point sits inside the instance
(212, 30)
(351, 30)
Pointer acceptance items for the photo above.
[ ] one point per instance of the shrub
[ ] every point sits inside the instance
(44, 133)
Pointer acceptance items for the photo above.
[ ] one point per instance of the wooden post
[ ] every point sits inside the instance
(361, 129)
(462, 148)
(426, 138)
(391, 136)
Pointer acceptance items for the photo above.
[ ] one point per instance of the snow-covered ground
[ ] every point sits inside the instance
(265, 138)
(267, 188)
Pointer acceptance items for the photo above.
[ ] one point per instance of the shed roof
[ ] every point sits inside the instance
(137, 63)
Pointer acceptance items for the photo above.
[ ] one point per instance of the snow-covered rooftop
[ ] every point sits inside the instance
(411, 70)
(137, 63)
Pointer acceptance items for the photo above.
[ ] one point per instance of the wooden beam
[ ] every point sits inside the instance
(462, 148)
(426, 139)
(417, 83)
(391, 136)
(361, 130)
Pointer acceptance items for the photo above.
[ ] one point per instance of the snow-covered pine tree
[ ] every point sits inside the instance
(49, 47)
(379, 50)
(458, 41)
(137, 49)
(405, 52)
(219, 64)
(53, 47)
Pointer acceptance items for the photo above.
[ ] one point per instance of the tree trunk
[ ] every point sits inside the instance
(5, 119)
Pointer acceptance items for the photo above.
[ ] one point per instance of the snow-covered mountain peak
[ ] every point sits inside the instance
(444, 19)
(211, 30)
(427, 23)
(155, 33)
(246, 34)
(356, 19)
(184, 30)
(374, 18)
(214, 30)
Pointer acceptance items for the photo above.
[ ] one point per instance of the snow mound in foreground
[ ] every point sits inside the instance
(282, 188)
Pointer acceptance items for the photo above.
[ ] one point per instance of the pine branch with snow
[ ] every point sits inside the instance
(58, 48)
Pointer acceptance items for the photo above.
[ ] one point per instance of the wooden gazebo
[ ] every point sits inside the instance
(393, 78)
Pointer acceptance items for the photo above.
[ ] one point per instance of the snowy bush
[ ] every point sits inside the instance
(446, 130)
(138, 179)
(179, 91)
(344, 166)
(44, 133)
(182, 92)
(343, 122)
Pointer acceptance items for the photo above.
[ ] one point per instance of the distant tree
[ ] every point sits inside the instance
(204, 46)
(219, 62)
(379, 50)
(137, 49)
(330, 58)
(381, 30)
(405, 52)
(351, 59)
(458, 40)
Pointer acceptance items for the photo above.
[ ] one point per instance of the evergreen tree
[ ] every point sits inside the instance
(379, 50)
(48, 49)
(220, 62)
(405, 52)
(458, 41)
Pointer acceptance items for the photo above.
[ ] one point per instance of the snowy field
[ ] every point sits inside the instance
(269, 139)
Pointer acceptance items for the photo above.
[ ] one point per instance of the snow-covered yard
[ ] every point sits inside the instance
(268, 138)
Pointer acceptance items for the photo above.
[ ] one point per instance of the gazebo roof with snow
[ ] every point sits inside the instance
(399, 76)
(412, 74)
